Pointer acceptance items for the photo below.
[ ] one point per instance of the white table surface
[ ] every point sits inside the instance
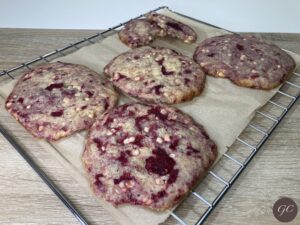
(236, 15)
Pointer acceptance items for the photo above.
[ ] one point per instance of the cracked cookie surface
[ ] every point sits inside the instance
(146, 154)
(155, 74)
(57, 99)
(140, 32)
(173, 27)
(246, 60)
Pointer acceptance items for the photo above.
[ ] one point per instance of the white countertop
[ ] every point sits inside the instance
(252, 16)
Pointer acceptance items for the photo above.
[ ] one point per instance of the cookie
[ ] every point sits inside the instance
(173, 27)
(146, 154)
(245, 60)
(140, 32)
(57, 99)
(158, 75)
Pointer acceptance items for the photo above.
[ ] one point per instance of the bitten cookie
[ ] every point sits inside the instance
(140, 32)
(57, 99)
(156, 75)
(246, 60)
(173, 27)
(146, 154)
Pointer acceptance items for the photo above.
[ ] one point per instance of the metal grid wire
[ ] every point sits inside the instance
(267, 119)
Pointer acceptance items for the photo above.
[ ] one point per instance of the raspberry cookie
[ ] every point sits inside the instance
(173, 27)
(140, 32)
(146, 154)
(156, 75)
(246, 60)
(55, 100)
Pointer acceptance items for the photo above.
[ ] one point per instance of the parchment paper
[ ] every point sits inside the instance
(223, 108)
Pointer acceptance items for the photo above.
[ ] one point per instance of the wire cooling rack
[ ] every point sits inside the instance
(231, 164)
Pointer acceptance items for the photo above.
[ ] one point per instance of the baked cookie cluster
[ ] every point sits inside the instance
(145, 153)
